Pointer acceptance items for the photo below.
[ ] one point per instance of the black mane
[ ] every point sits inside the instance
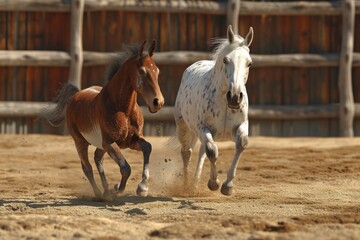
(128, 52)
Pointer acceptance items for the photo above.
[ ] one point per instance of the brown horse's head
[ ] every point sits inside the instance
(146, 83)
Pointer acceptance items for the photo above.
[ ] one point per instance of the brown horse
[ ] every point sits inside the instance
(109, 118)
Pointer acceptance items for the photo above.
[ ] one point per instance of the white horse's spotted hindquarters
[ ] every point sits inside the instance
(212, 105)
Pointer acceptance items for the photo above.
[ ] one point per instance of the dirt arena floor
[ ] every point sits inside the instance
(286, 188)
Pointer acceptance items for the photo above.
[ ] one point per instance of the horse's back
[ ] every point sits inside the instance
(197, 69)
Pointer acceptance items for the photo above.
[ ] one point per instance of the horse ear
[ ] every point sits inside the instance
(230, 34)
(152, 48)
(141, 49)
(249, 37)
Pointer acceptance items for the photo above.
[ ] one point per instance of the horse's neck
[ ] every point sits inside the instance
(120, 91)
(216, 77)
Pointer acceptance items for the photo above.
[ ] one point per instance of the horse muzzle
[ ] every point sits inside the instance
(234, 100)
(157, 104)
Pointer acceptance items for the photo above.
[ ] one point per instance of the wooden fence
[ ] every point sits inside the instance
(345, 110)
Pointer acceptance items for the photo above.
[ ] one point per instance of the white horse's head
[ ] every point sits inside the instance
(233, 61)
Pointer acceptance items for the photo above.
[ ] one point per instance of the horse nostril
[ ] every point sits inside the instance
(241, 95)
(156, 102)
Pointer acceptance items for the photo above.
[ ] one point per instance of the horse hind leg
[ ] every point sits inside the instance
(187, 140)
(82, 149)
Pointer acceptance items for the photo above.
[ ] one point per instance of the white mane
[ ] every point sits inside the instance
(223, 43)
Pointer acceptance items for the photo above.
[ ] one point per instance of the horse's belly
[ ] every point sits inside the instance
(93, 136)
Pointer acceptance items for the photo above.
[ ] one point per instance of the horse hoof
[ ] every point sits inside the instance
(213, 185)
(227, 189)
(142, 190)
(108, 195)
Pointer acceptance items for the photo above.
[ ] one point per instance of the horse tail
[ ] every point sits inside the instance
(56, 116)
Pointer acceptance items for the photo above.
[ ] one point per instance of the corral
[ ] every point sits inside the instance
(286, 188)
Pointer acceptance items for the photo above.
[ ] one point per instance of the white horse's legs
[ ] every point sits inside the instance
(200, 164)
(212, 153)
(187, 140)
(241, 142)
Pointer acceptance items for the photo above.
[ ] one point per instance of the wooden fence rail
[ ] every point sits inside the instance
(265, 112)
(62, 59)
(182, 6)
(77, 58)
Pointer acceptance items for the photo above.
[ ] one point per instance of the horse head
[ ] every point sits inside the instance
(236, 62)
(146, 83)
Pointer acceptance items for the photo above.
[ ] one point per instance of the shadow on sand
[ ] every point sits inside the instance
(19, 204)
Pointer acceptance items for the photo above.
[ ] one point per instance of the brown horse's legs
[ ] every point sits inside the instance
(82, 149)
(145, 147)
(114, 151)
(98, 158)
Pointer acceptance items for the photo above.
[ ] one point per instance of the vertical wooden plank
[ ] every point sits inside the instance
(232, 14)
(335, 47)
(191, 32)
(266, 74)
(57, 40)
(208, 26)
(145, 25)
(287, 47)
(255, 73)
(76, 51)
(301, 78)
(277, 91)
(3, 70)
(356, 74)
(182, 32)
(346, 114)
(200, 33)
(163, 40)
(318, 91)
(174, 32)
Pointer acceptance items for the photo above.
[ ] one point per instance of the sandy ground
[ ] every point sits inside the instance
(286, 188)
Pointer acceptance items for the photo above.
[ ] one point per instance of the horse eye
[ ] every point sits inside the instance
(142, 71)
(226, 60)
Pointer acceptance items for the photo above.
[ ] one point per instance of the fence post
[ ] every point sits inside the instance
(232, 14)
(347, 108)
(76, 51)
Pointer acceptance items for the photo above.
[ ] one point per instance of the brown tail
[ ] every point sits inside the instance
(56, 116)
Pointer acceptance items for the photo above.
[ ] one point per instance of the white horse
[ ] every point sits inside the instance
(212, 105)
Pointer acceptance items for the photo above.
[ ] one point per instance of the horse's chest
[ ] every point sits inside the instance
(224, 123)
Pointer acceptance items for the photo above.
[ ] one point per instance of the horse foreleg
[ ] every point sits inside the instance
(212, 153)
(82, 149)
(241, 142)
(114, 151)
(146, 148)
(98, 158)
